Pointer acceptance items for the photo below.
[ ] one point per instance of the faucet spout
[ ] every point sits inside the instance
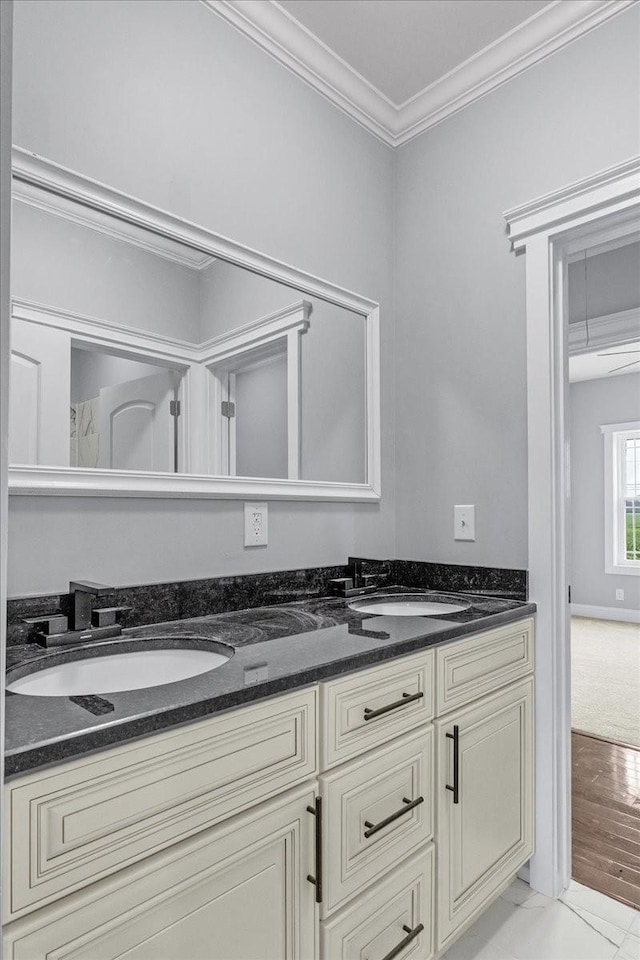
(360, 579)
(82, 591)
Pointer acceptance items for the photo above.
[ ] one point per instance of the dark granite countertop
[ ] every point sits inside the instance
(276, 648)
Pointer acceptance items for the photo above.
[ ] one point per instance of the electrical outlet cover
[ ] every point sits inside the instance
(255, 524)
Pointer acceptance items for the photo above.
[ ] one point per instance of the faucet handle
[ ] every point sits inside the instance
(107, 616)
(52, 623)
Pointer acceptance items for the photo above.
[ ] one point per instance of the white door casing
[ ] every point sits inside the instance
(550, 229)
(274, 336)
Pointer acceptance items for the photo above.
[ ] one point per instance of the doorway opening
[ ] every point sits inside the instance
(550, 230)
(603, 335)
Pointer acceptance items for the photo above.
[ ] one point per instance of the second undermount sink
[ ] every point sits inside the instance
(115, 667)
(409, 605)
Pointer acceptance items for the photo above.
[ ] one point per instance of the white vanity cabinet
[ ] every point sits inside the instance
(372, 816)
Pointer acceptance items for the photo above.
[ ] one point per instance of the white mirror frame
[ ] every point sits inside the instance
(31, 171)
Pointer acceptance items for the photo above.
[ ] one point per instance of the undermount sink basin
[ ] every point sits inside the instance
(408, 605)
(111, 669)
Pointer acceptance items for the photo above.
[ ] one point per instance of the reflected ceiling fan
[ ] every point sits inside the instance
(619, 353)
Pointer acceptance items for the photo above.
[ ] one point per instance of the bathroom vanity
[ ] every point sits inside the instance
(360, 790)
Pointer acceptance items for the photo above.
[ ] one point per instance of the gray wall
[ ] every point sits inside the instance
(460, 303)
(170, 104)
(333, 377)
(193, 120)
(231, 297)
(72, 267)
(261, 420)
(595, 402)
(91, 370)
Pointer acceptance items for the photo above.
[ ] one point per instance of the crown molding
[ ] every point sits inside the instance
(108, 225)
(527, 44)
(267, 24)
(295, 47)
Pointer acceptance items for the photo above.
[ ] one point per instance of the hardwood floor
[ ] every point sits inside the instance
(606, 817)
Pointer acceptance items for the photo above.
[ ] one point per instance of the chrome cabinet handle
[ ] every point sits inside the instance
(374, 827)
(406, 698)
(411, 935)
(316, 811)
(455, 736)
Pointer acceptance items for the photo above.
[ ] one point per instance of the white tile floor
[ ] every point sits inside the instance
(523, 925)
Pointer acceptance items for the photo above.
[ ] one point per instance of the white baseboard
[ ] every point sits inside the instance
(605, 613)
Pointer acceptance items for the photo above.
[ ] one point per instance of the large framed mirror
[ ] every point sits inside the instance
(151, 357)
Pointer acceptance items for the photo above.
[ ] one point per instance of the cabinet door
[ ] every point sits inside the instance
(486, 836)
(238, 892)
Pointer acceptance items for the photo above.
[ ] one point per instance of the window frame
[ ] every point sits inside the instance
(615, 436)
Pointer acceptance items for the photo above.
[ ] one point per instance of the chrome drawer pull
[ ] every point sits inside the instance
(316, 811)
(455, 789)
(374, 827)
(406, 698)
(411, 935)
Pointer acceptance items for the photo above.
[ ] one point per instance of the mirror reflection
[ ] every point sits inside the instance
(134, 351)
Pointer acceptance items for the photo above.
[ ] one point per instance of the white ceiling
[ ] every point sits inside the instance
(403, 46)
(398, 67)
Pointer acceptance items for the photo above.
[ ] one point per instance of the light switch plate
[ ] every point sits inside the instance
(255, 524)
(464, 522)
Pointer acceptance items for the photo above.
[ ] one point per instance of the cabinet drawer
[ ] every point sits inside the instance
(370, 820)
(87, 818)
(386, 916)
(345, 730)
(470, 668)
(238, 890)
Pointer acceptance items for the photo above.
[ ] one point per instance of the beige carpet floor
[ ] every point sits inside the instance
(605, 679)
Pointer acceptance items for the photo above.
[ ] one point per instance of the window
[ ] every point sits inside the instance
(622, 497)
